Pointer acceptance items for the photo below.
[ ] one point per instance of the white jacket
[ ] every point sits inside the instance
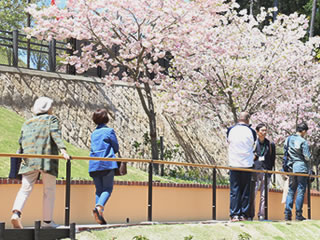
(241, 139)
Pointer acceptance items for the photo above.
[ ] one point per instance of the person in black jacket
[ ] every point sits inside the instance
(265, 154)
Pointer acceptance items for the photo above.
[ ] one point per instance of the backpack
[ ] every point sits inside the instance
(286, 163)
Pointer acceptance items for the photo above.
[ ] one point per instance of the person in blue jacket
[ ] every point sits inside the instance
(104, 143)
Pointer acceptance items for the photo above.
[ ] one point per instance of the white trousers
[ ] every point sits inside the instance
(49, 192)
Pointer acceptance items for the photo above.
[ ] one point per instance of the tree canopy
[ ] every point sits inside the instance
(245, 65)
(223, 60)
(284, 7)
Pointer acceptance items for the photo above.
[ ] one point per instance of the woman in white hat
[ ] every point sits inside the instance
(39, 135)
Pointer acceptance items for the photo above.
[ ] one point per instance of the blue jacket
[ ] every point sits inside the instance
(104, 143)
(299, 153)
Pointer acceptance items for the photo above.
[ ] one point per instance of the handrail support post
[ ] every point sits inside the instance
(68, 184)
(214, 194)
(266, 194)
(309, 198)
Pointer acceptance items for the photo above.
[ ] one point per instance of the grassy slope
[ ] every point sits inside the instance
(3, 58)
(245, 230)
(10, 131)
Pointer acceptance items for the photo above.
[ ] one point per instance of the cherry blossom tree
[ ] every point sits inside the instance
(222, 61)
(130, 36)
(248, 64)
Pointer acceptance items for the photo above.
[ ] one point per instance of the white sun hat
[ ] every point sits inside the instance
(42, 105)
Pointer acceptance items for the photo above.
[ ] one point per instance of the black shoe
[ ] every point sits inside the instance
(287, 218)
(98, 217)
(300, 218)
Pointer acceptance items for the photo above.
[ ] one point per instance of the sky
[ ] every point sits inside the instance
(60, 3)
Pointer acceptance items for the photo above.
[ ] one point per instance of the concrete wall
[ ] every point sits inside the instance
(179, 202)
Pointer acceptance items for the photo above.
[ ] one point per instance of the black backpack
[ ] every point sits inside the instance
(286, 164)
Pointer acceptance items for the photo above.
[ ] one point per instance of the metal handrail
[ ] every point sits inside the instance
(6, 38)
(4, 31)
(157, 162)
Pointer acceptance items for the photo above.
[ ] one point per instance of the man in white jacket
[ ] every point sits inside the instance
(241, 139)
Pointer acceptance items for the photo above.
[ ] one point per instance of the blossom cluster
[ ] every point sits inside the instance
(221, 60)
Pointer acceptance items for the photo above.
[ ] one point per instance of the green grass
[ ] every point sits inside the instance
(220, 230)
(10, 128)
(3, 57)
(10, 132)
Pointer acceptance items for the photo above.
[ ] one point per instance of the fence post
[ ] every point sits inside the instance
(37, 225)
(15, 47)
(214, 194)
(28, 53)
(266, 195)
(273, 176)
(68, 182)
(150, 192)
(161, 156)
(2, 229)
(28, 41)
(317, 173)
(72, 231)
(71, 68)
(52, 55)
(309, 199)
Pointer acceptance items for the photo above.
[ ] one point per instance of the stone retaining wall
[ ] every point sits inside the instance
(76, 97)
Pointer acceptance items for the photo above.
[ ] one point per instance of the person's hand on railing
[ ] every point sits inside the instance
(65, 154)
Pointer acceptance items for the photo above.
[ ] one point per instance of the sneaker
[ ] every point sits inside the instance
(51, 224)
(235, 219)
(16, 220)
(287, 218)
(300, 218)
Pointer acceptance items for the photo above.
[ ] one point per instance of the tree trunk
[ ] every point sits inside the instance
(152, 123)
(232, 108)
(148, 106)
(153, 137)
(313, 17)
(275, 4)
(39, 62)
(251, 7)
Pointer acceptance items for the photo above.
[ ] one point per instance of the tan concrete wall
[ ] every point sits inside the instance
(130, 201)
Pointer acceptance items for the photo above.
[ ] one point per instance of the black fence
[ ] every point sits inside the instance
(23, 52)
(18, 50)
(37, 233)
